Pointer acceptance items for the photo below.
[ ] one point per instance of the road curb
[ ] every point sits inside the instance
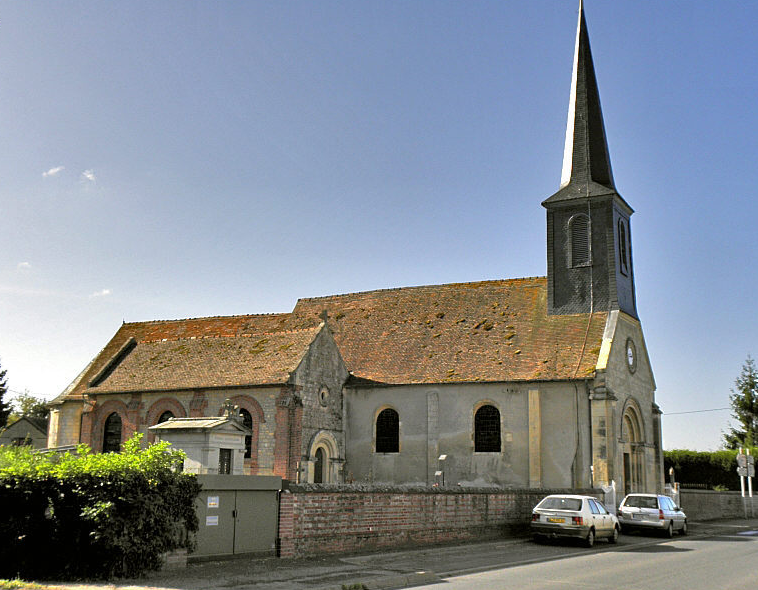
(394, 582)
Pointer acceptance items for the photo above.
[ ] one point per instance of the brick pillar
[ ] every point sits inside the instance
(286, 525)
(88, 422)
(133, 418)
(288, 435)
(296, 437)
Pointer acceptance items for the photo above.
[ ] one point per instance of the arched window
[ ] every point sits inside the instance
(318, 466)
(579, 232)
(165, 417)
(247, 421)
(112, 434)
(388, 431)
(623, 254)
(487, 430)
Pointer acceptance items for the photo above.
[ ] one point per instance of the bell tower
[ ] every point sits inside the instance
(589, 247)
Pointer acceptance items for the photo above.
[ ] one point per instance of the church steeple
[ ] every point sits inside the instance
(589, 237)
(585, 157)
(586, 161)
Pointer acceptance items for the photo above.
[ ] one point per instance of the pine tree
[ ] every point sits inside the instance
(5, 406)
(744, 408)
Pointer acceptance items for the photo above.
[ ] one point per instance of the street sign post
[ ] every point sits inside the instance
(746, 469)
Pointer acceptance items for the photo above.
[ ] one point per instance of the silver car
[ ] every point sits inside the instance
(652, 512)
(580, 517)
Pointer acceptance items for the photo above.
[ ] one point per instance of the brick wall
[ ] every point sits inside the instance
(317, 520)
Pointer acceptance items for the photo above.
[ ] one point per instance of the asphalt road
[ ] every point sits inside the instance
(724, 561)
(716, 555)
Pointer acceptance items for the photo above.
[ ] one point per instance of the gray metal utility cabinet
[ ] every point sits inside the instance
(238, 515)
(214, 445)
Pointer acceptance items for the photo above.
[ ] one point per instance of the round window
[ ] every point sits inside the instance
(631, 355)
(323, 396)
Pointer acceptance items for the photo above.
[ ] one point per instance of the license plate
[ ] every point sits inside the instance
(553, 519)
(637, 516)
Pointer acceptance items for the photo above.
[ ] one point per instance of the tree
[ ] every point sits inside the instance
(744, 408)
(25, 405)
(5, 407)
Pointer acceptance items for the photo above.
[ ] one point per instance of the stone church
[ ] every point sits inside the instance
(531, 382)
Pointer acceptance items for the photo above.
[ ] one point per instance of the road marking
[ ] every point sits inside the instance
(749, 533)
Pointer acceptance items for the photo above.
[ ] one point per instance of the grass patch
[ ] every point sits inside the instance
(20, 585)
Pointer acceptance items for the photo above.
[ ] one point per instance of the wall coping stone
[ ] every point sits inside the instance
(361, 488)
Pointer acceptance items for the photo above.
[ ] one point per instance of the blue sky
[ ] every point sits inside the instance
(182, 159)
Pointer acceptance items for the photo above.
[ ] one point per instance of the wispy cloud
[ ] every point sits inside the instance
(88, 176)
(53, 171)
(24, 265)
(103, 293)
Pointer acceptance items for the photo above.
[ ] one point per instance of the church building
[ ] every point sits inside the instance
(530, 382)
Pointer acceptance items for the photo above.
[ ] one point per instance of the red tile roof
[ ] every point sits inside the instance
(488, 331)
(460, 332)
(209, 361)
(197, 334)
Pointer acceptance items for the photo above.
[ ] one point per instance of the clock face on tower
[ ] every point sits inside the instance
(631, 355)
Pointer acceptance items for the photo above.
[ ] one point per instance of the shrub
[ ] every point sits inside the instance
(87, 515)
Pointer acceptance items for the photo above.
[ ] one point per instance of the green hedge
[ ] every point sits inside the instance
(713, 468)
(87, 515)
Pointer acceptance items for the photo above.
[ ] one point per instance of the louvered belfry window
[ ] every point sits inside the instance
(388, 431)
(579, 228)
(623, 256)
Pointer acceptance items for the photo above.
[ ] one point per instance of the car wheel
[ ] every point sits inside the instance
(589, 540)
(669, 532)
(683, 530)
(614, 538)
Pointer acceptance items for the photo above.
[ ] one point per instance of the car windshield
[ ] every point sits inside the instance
(561, 504)
(641, 502)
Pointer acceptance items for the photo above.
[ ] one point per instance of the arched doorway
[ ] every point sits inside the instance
(324, 459)
(632, 439)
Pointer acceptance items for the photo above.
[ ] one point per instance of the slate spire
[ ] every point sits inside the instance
(586, 163)
(589, 249)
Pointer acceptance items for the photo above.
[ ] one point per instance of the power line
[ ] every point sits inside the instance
(695, 411)
(25, 393)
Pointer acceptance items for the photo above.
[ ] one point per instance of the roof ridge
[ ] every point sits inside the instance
(218, 336)
(412, 287)
(211, 317)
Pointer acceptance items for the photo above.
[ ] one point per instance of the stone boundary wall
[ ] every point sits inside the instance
(321, 519)
(711, 505)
